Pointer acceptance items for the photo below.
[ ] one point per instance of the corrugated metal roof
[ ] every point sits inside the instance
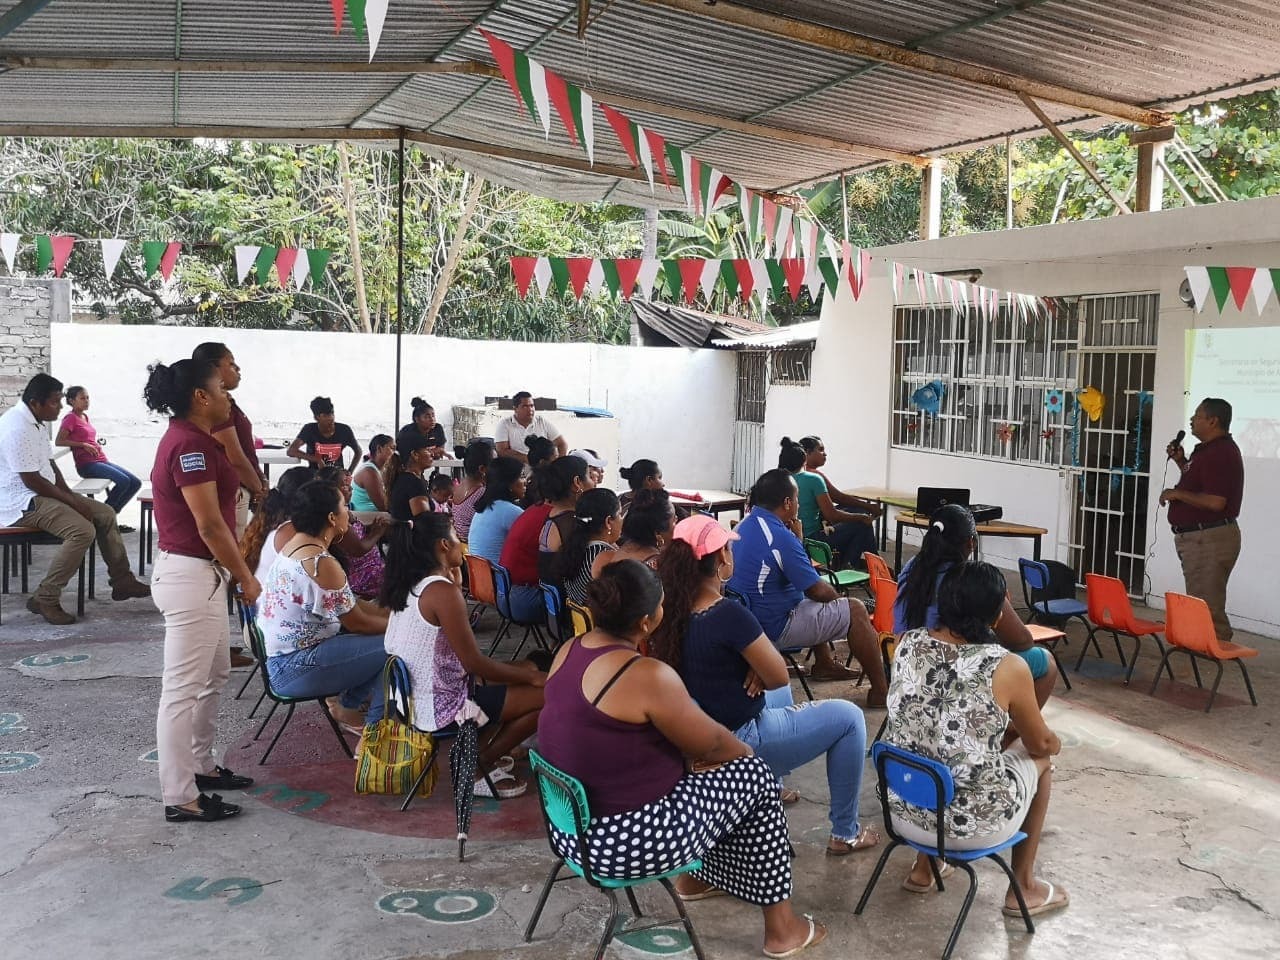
(806, 332)
(1165, 53)
(666, 324)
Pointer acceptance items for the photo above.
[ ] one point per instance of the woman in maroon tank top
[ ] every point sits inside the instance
(626, 727)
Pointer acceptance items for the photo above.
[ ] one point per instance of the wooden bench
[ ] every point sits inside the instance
(146, 523)
(91, 487)
(15, 558)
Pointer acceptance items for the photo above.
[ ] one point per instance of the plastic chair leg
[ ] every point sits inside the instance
(262, 696)
(635, 907)
(1195, 669)
(1133, 659)
(287, 717)
(964, 910)
(1214, 692)
(542, 900)
(875, 877)
(1247, 685)
(1062, 671)
(337, 730)
(267, 719)
(1017, 891)
(609, 925)
(804, 684)
(1119, 649)
(413, 791)
(1164, 665)
(245, 686)
(684, 918)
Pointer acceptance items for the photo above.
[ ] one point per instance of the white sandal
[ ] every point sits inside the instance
(498, 778)
(809, 941)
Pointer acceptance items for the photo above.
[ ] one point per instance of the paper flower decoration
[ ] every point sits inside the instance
(1004, 431)
(929, 397)
(1053, 401)
(1093, 402)
(1047, 434)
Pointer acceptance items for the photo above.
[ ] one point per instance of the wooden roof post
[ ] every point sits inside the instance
(931, 200)
(1151, 144)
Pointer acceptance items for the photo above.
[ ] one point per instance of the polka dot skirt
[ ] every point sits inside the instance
(730, 818)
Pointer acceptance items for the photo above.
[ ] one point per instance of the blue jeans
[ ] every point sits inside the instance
(787, 735)
(348, 662)
(125, 485)
(850, 540)
(527, 604)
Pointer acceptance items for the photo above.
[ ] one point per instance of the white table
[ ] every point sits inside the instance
(267, 457)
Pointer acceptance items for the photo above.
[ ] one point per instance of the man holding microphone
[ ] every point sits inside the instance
(1204, 505)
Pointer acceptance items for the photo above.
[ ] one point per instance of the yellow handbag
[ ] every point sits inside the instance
(393, 753)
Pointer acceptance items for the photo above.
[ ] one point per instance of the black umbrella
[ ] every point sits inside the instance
(464, 758)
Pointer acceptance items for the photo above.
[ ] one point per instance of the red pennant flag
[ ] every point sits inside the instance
(61, 245)
(622, 128)
(658, 147)
(1241, 281)
(628, 273)
(691, 276)
(505, 57)
(579, 270)
(169, 259)
(722, 186)
(746, 279)
(770, 220)
(522, 270)
(558, 94)
(339, 11)
(793, 270)
(693, 189)
(285, 258)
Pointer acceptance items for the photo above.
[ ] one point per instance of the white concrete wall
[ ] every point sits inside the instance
(674, 405)
(848, 403)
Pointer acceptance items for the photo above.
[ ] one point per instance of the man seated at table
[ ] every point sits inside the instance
(794, 604)
(321, 443)
(512, 434)
(34, 494)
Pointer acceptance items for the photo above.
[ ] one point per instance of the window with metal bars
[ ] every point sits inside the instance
(789, 366)
(991, 387)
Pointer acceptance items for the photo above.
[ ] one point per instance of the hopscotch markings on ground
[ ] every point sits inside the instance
(197, 888)
(440, 906)
(16, 761)
(52, 659)
(11, 723)
(1076, 735)
(151, 756)
(658, 940)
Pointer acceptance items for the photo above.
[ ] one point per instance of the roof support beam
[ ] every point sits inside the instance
(20, 14)
(869, 48)
(1071, 148)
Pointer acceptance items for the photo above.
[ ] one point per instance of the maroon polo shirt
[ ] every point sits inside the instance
(186, 457)
(1215, 467)
(244, 433)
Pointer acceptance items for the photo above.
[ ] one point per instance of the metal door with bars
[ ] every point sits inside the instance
(748, 425)
(1110, 442)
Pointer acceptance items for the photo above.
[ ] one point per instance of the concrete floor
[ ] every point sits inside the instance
(1162, 822)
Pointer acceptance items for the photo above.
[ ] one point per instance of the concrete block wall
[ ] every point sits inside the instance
(27, 308)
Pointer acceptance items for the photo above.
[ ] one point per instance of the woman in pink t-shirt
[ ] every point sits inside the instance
(79, 434)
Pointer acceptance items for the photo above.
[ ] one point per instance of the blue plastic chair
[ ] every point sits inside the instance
(928, 784)
(564, 806)
(1056, 611)
(502, 584)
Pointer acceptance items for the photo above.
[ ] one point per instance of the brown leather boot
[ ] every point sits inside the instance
(51, 611)
(129, 589)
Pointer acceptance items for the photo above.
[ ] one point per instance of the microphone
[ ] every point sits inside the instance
(1177, 441)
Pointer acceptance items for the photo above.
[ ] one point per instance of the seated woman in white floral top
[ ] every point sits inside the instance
(958, 697)
(306, 601)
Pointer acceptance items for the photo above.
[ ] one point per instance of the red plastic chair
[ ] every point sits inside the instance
(484, 591)
(885, 591)
(1190, 629)
(1111, 610)
(876, 567)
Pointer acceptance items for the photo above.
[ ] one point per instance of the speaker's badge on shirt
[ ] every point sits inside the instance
(192, 462)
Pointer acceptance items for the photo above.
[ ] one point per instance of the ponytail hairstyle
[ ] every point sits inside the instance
(211, 351)
(311, 504)
(555, 479)
(650, 514)
(411, 556)
(541, 450)
(810, 443)
(332, 475)
(419, 407)
(440, 481)
(623, 594)
(951, 529)
(406, 447)
(639, 472)
(970, 598)
(594, 509)
(681, 574)
(376, 443)
(503, 473)
(170, 389)
(73, 392)
(791, 457)
(477, 456)
(273, 511)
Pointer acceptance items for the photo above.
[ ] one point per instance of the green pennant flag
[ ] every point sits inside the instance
(44, 253)
(729, 278)
(317, 261)
(1275, 281)
(672, 279)
(1221, 285)
(675, 161)
(611, 278)
(152, 251)
(559, 273)
(777, 277)
(355, 9)
(830, 274)
(704, 187)
(524, 78)
(266, 259)
(580, 105)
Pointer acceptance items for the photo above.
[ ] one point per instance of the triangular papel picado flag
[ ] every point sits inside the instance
(265, 261)
(9, 249)
(522, 272)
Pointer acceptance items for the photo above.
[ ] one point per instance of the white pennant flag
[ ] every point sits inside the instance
(542, 275)
(761, 282)
(1262, 288)
(1198, 277)
(782, 232)
(589, 127)
(829, 244)
(9, 249)
(595, 277)
(710, 275)
(301, 269)
(646, 156)
(111, 250)
(541, 99)
(813, 278)
(245, 258)
(647, 276)
(375, 15)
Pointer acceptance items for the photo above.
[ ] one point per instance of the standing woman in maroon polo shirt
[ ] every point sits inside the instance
(194, 485)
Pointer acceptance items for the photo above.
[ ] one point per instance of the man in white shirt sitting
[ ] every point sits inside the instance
(512, 434)
(34, 494)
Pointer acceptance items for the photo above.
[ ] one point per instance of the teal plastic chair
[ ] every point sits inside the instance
(820, 553)
(564, 806)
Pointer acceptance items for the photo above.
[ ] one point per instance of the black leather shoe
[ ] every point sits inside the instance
(211, 808)
(222, 779)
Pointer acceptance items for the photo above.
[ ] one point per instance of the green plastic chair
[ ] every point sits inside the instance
(820, 553)
(564, 806)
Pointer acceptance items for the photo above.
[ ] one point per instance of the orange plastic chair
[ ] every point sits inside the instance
(484, 591)
(1111, 610)
(876, 566)
(885, 590)
(1190, 629)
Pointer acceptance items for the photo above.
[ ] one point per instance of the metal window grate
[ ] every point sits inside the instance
(789, 366)
(751, 385)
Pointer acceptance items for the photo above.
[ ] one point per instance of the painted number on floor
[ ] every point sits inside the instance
(440, 906)
(52, 660)
(197, 888)
(11, 723)
(15, 761)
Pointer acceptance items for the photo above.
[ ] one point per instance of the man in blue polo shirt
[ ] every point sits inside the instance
(795, 606)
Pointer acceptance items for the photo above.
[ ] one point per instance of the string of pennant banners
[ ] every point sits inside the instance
(292, 264)
(1220, 285)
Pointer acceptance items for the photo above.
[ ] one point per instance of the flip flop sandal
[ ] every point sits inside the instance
(706, 894)
(788, 796)
(499, 777)
(866, 839)
(945, 871)
(1048, 906)
(505, 763)
(813, 939)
